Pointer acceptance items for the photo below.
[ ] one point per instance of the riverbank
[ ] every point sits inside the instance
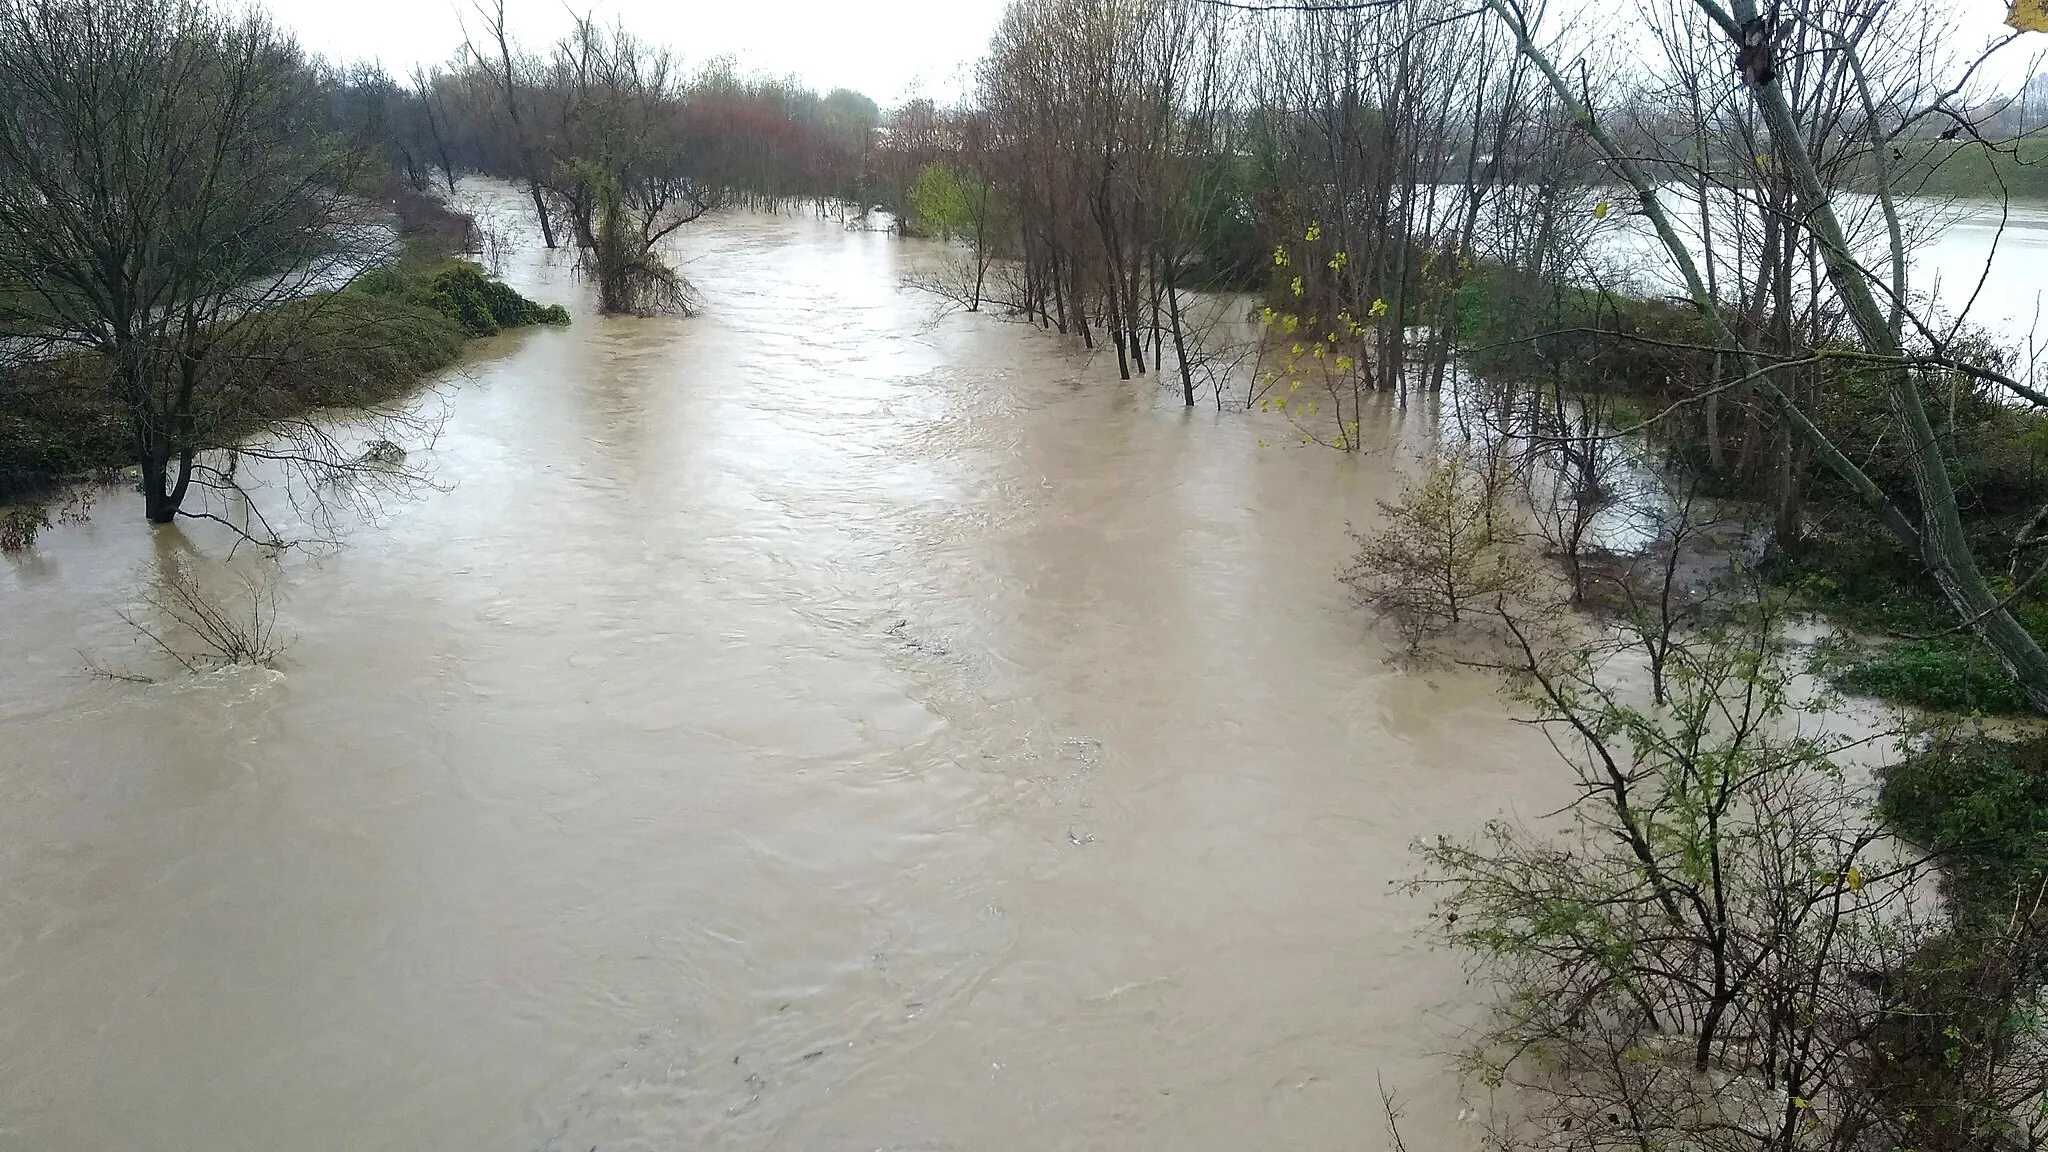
(371, 342)
(1638, 360)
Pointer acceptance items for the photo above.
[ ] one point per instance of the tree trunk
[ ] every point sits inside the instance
(1080, 306)
(1716, 459)
(1180, 348)
(1943, 545)
(540, 209)
(157, 506)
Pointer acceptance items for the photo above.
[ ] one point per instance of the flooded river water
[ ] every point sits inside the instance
(808, 725)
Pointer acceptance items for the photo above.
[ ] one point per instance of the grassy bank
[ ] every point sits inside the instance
(373, 341)
(1968, 170)
(1960, 1005)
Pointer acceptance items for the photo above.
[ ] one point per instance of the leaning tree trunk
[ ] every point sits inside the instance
(1938, 537)
(1180, 347)
(1943, 547)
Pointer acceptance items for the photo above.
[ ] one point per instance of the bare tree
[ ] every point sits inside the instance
(618, 164)
(501, 67)
(201, 629)
(165, 184)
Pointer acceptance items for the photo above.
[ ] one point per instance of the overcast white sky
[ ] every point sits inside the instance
(889, 49)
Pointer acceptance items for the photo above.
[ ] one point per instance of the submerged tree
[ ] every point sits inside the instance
(1721, 950)
(1447, 551)
(619, 170)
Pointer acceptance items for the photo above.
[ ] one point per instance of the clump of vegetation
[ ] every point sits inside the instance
(464, 293)
(1965, 1007)
(1721, 951)
(1445, 553)
(1909, 650)
(1951, 674)
(20, 525)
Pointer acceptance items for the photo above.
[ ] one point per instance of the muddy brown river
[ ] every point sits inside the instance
(810, 725)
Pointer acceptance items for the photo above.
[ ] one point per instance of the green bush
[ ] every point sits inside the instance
(348, 350)
(50, 429)
(1862, 579)
(1866, 582)
(462, 292)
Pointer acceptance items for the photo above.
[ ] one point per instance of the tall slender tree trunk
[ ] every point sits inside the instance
(1117, 331)
(1180, 347)
(1059, 295)
(1080, 305)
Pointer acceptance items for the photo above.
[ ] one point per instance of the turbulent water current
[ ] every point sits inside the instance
(815, 724)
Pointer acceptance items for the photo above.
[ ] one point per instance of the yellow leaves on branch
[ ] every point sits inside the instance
(1852, 879)
(2027, 15)
(1600, 210)
(1379, 308)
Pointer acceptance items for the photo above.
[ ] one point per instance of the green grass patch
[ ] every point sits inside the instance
(1982, 804)
(1954, 675)
(1909, 651)
(1863, 580)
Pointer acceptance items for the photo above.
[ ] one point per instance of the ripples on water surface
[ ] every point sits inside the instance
(804, 726)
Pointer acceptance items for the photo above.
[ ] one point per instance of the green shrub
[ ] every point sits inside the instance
(462, 292)
(1865, 581)
(348, 350)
